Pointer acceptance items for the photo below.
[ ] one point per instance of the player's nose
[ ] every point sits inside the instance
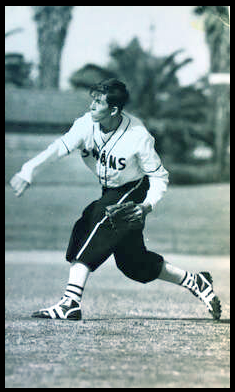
(92, 105)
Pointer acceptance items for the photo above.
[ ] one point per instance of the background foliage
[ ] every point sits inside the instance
(182, 119)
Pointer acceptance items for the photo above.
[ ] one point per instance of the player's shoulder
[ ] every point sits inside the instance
(84, 120)
(134, 121)
(137, 126)
(82, 126)
(80, 130)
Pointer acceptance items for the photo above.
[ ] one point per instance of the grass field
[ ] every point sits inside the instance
(132, 335)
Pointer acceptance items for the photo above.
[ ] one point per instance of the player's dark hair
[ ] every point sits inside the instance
(117, 93)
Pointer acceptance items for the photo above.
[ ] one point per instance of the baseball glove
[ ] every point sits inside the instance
(126, 216)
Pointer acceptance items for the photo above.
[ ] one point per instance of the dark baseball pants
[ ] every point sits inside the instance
(91, 243)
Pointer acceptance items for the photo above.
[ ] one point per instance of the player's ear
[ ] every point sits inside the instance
(114, 111)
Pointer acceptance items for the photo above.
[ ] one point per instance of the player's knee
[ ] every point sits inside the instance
(69, 259)
(143, 280)
(135, 275)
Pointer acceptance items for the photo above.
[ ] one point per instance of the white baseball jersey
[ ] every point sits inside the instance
(116, 158)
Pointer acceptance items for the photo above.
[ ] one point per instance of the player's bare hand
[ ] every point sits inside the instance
(18, 185)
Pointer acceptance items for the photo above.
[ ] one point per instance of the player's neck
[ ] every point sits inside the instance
(111, 124)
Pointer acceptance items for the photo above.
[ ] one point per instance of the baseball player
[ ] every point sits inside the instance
(120, 151)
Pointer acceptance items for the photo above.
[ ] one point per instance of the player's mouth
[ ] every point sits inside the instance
(94, 115)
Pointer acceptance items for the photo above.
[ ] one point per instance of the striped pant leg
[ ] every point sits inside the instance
(94, 245)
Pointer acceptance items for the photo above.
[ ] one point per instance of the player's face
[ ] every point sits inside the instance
(100, 110)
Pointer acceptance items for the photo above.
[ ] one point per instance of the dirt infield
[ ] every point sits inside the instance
(131, 336)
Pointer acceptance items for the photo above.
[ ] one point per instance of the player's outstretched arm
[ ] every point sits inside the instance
(18, 185)
(21, 180)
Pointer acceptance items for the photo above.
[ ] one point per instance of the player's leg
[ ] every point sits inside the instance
(93, 247)
(170, 273)
(97, 243)
(69, 307)
(135, 261)
(199, 284)
(139, 264)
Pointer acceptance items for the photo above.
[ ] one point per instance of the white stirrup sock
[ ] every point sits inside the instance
(78, 275)
(172, 274)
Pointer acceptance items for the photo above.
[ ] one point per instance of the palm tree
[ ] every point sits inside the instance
(218, 38)
(52, 24)
(171, 113)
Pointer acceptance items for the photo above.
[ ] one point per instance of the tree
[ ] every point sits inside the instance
(216, 23)
(172, 113)
(52, 25)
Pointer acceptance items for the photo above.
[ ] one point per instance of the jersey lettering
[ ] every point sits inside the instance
(95, 154)
(86, 153)
(121, 161)
(116, 166)
(103, 159)
(112, 163)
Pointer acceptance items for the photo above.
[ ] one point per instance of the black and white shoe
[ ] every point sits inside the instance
(201, 285)
(66, 309)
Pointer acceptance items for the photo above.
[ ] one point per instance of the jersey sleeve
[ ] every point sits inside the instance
(148, 158)
(151, 165)
(75, 137)
(59, 148)
(53, 152)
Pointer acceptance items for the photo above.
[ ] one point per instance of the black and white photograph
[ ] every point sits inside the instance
(117, 196)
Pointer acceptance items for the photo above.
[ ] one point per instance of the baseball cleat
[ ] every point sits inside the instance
(201, 285)
(66, 309)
